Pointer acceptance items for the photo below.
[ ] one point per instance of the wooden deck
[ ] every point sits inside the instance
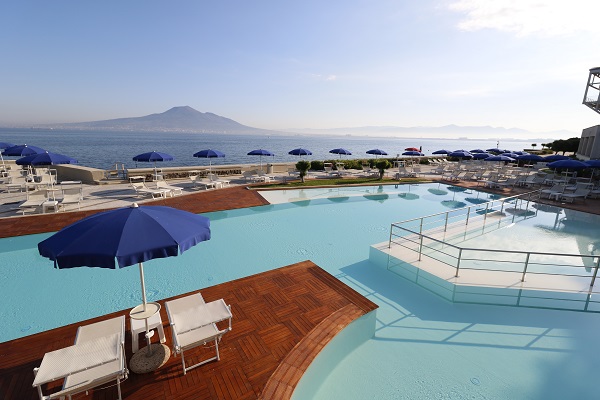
(281, 320)
(205, 201)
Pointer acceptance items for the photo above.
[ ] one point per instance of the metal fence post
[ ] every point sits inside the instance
(468, 214)
(525, 269)
(458, 262)
(595, 272)
(446, 223)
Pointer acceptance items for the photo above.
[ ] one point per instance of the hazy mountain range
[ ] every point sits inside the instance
(187, 119)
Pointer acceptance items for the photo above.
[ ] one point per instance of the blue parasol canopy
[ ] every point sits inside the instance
(153, 156)
(4, 145)
(499, 158)
(22, 150)
(260, 153)
(495, 150)
(413, 153)
(556, 157)
(126, 235)
(341, 152)
(46, 158)
(481, 156)
(476, 151)
(511, 155)
(441, 152)
(461, 154)
(209, 153)
(300, 152)
(377, 152)
(568, 164)
(593, 163)
(531, 157)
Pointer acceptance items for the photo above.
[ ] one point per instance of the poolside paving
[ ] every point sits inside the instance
(276, 317)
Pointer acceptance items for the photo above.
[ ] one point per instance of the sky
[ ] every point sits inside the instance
(305, 64)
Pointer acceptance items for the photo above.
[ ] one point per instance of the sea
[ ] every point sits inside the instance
(103, 149)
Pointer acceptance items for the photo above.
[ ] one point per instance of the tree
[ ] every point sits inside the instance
(569, 145)
(303, 167)
(382, 165)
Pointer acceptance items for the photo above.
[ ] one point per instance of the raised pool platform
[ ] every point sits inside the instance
(282, 319)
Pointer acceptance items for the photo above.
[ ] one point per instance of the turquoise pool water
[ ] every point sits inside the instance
(423, 348)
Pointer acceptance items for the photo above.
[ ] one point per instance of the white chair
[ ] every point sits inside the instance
(251, 176)
(173, 190)
(214, 178)
(194, 323)
(71, 195)
(96, 359)
(197, 180)
(139, 326)
(34, 201)
(263, 177)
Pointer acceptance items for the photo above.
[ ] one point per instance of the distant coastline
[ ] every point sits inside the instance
(187, 120)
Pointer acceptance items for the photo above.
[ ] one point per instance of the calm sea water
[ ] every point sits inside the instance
(104, 149)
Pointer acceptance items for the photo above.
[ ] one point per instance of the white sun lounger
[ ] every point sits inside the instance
(214, 178)
(97, 358)
(194, 323)
(141, 189)
(173, 190)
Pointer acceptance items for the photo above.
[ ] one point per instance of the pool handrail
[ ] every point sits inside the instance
(489, 209)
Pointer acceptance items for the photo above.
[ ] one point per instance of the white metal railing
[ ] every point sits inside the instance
(417, 235)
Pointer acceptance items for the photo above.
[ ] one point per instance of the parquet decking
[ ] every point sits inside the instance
(204, 201)
(281, 320)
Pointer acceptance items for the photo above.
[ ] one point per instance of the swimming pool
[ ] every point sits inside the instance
(424, 347)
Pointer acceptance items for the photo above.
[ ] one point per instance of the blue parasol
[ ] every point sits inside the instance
(377, 152)
(126, 235)
(341, 152)
(499, 158)
(568, 164)
(210, 154)
(153, 156)
(412, 153)
(260, 152)
(441, 152)
(593, 163)
(461, 154)
(495, 150)
(481, 156)
(300, 152)
(45, 158)
(556, 157)
(22, 150)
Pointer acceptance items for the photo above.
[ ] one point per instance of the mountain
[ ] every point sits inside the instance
(177, 119)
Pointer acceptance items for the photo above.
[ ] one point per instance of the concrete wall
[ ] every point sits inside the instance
(589, 145)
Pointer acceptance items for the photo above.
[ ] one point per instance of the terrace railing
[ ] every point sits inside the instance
(437, 237)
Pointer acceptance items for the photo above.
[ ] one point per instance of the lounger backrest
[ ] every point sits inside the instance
(101, 328)
(181, 310)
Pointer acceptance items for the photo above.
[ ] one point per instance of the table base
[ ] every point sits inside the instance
(140, 363)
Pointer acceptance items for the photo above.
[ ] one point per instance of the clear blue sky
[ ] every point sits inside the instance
(302, 64)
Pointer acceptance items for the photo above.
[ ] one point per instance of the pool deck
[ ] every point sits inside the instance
(281, 320)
